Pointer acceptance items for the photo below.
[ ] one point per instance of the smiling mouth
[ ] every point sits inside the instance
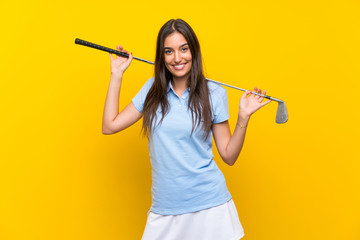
(179, 66)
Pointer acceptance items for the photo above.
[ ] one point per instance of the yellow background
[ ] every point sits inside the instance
(61, 178)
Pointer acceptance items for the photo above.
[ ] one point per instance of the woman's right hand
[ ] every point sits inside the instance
(120, 64)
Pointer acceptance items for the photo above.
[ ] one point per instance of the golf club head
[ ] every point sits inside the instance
(282, 113)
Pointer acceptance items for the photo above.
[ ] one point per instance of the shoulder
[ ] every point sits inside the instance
(145, 89)
(149, 82)
(141, 95)
(219, 102)
(216, 90)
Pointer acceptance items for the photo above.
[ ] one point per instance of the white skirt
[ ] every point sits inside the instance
(220, 222)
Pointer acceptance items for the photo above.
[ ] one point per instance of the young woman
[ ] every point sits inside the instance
(181, 112)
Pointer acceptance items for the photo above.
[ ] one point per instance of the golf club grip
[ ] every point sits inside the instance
(102, 48)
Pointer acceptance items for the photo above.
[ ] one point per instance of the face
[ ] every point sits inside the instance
(178, 57)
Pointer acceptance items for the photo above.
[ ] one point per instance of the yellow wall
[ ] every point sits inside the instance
(60, 178)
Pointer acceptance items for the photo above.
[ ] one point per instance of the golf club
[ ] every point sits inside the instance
(281, 114)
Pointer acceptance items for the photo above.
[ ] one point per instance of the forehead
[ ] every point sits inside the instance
(174, 40)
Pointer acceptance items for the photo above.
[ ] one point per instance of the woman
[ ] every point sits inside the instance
(181, 111)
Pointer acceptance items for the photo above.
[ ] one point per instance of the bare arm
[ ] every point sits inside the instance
(113, 121)
(229, 146)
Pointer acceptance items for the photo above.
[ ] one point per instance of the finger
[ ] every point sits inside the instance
(255, 91)
(258, 91)
(120, 49)
(117, 48)
(130, 58)
(245, 94)
(260, 97)
(264, 92)
(264, 103)
(125, 51)
(111, 58)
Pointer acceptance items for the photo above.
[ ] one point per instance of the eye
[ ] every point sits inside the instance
(168, 51)
(184, 49)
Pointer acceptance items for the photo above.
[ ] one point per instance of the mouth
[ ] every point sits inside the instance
(179, 66)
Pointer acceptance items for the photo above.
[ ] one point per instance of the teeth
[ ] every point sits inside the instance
(179, 67)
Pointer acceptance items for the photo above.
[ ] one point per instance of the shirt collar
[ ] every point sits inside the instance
(170, 87)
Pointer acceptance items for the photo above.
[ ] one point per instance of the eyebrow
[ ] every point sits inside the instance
(179, 47)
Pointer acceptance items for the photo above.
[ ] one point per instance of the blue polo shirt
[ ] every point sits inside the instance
(185, 177)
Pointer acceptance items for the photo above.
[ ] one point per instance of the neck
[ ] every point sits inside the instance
(179, 85)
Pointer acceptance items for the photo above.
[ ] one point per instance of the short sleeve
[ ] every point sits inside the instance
(139, 98)
(220, 106)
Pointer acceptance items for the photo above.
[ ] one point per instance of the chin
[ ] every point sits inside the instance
(181, 75)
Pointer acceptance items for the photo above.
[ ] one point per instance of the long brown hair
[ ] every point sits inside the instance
(199, 103)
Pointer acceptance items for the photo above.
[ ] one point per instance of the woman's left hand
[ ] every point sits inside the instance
(250, 103)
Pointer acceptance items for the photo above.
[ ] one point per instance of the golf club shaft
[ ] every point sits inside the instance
(244, 90)
(102, 48)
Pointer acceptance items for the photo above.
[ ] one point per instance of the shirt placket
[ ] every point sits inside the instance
(182, 99)
(179, 102)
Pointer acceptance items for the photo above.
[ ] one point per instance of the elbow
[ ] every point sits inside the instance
(106, 133)
(231, 163)
(230, 160)
(107, 130)
(110, 129)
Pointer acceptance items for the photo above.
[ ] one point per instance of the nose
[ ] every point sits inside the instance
(177, 58)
